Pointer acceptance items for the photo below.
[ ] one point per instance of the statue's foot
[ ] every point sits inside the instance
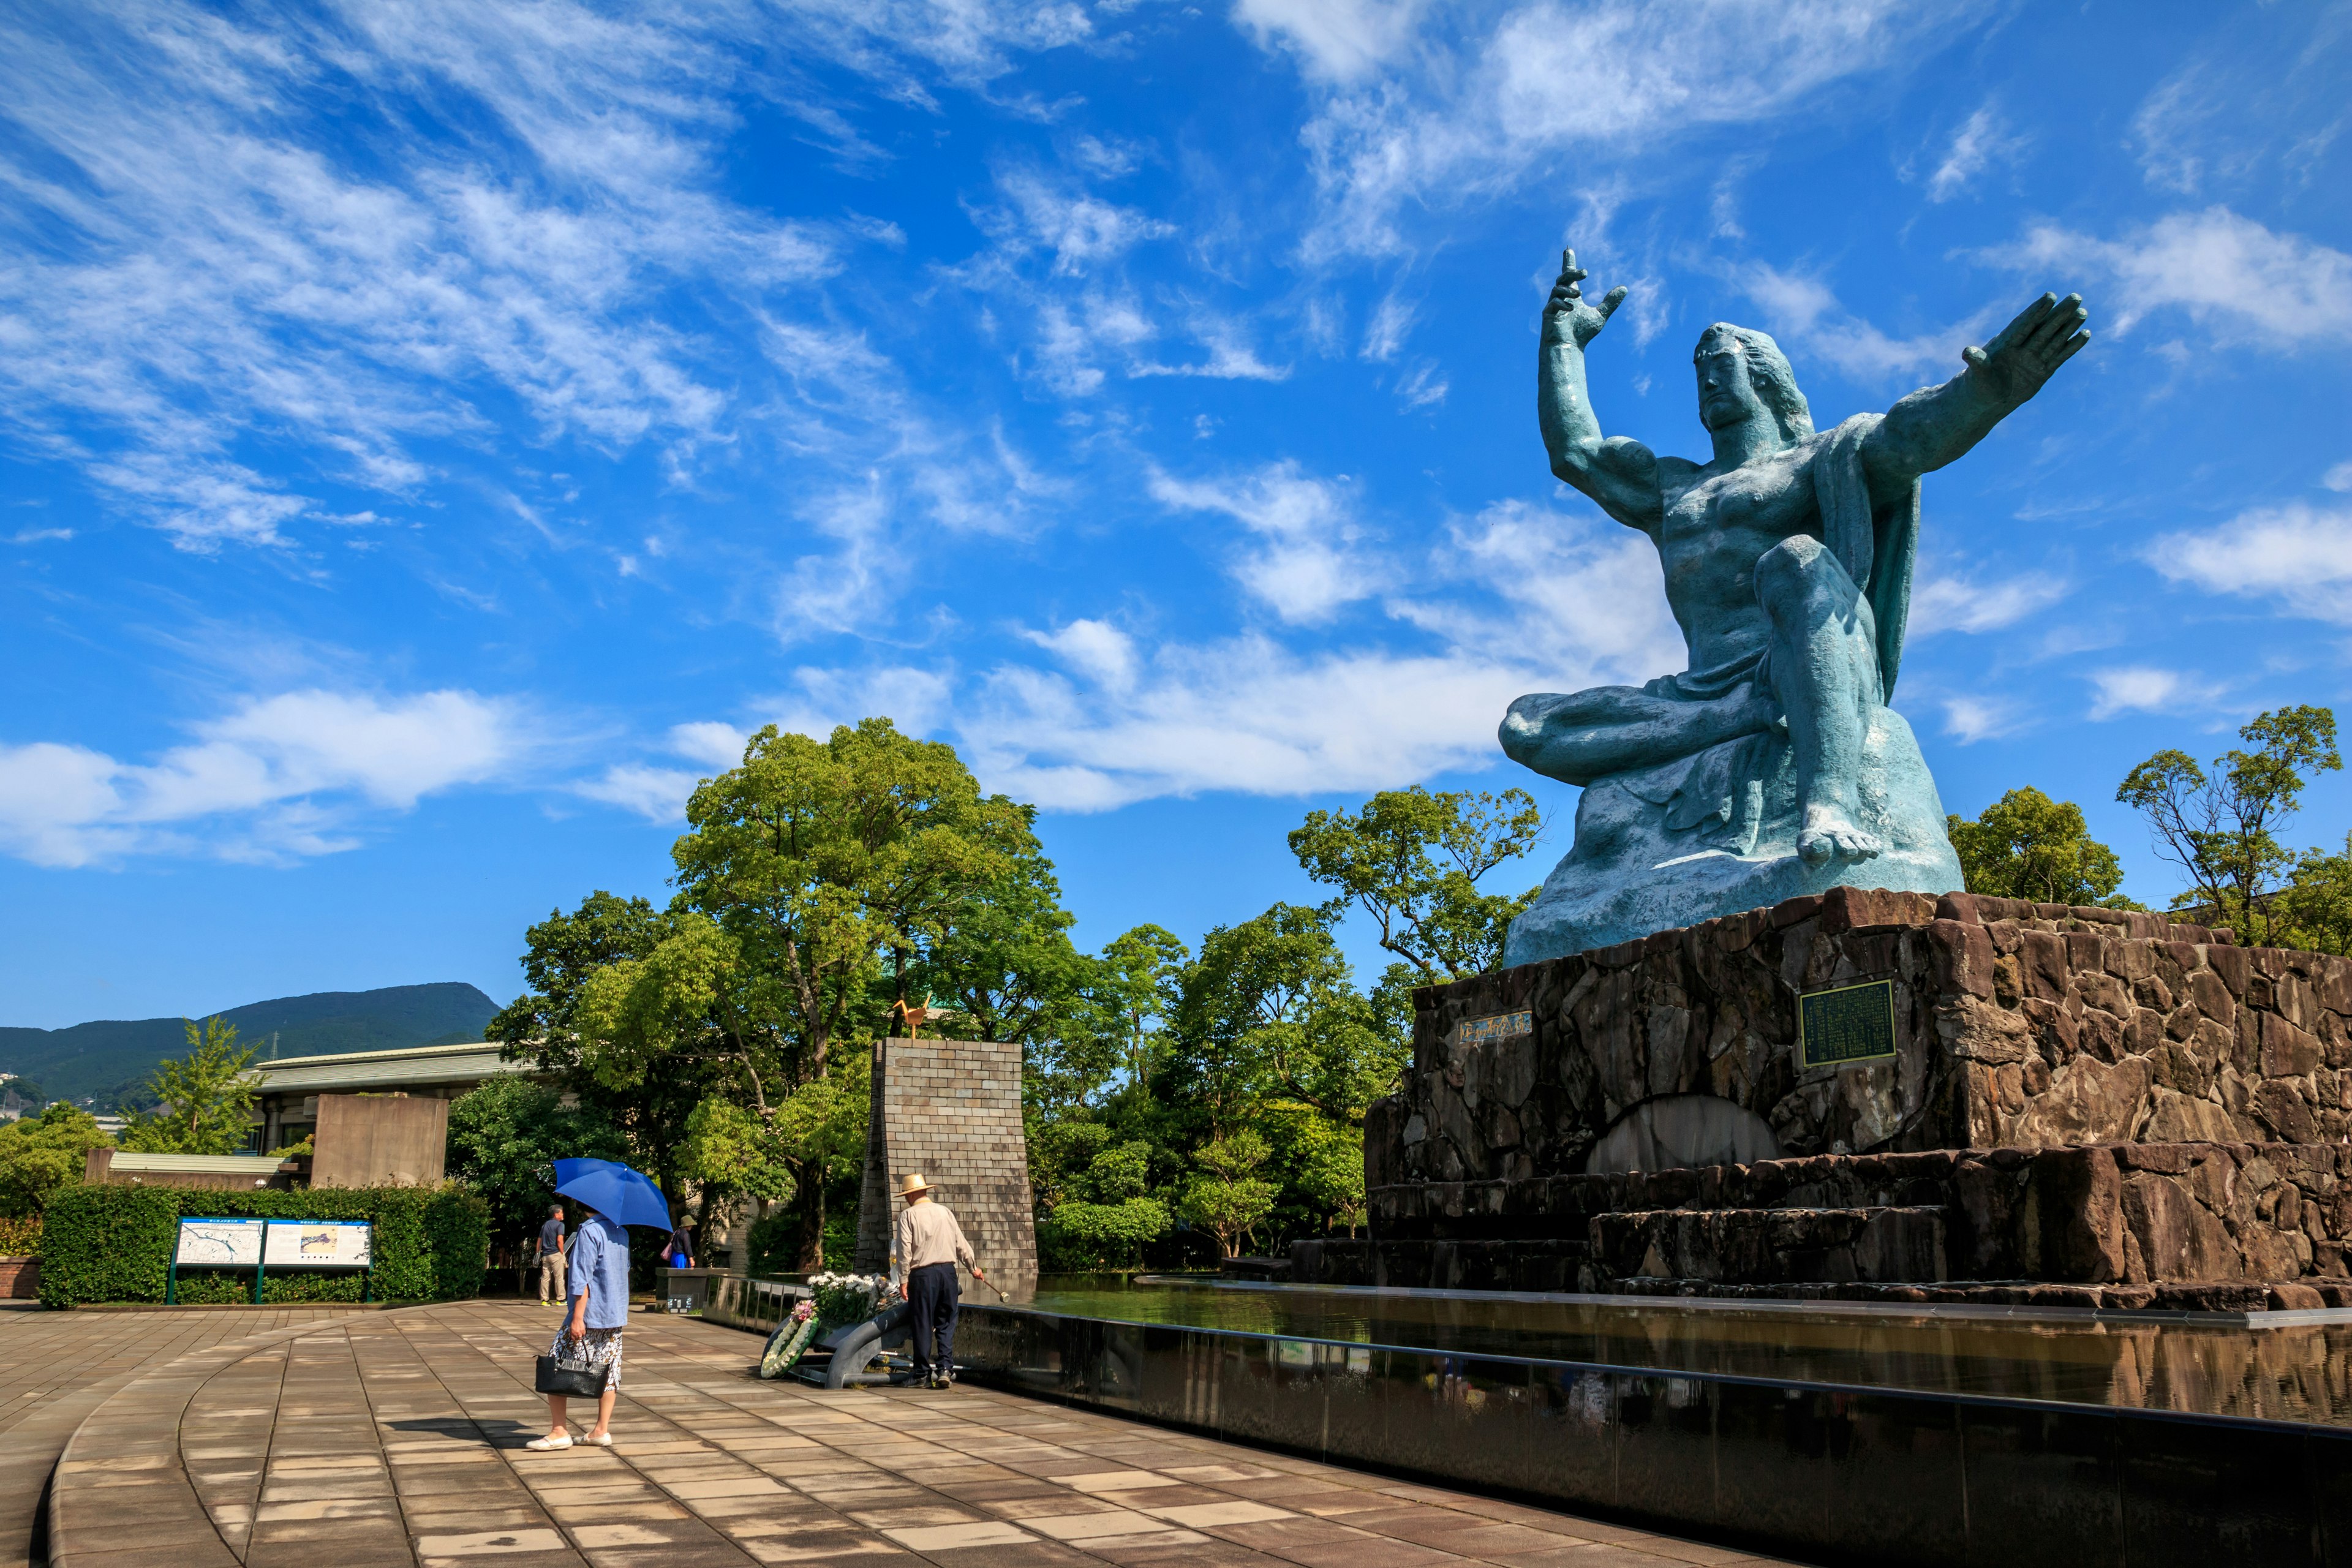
(1830, 834)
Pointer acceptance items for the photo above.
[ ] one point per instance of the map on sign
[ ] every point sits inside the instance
(319, 1243)
(219, 1243)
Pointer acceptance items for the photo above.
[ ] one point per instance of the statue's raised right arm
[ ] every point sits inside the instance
(1937, 423)
(1619, 473)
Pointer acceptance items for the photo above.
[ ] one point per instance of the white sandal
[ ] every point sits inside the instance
(543, 1444)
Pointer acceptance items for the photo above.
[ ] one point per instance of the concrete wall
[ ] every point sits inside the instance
(951, 1110)
(379, 1141)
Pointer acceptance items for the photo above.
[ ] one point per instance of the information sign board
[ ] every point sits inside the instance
(218, 1244)
(319, 1243)
(1851, 1024)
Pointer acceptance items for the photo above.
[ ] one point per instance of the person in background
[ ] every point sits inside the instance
(929, 1244)
(679, 1253)
(551, 1258)
(600, 1311)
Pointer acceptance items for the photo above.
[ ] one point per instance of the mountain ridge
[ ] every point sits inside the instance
(107, 1060)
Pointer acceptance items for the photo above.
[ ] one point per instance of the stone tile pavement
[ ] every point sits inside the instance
(395, 1440)
(57, 1367)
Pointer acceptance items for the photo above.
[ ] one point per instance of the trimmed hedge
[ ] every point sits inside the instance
(114, 1243)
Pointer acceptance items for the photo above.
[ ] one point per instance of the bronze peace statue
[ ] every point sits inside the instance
(1772, 766)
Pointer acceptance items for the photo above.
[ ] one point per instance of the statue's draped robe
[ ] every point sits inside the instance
(1723, 787)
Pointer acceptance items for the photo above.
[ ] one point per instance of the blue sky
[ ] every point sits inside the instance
(435, 434)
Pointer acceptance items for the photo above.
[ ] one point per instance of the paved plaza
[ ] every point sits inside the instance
(387, 1439)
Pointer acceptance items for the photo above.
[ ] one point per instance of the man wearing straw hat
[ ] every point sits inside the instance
(929, 1244)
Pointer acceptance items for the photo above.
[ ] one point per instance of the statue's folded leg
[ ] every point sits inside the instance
(1580, 736)
(1824, 669)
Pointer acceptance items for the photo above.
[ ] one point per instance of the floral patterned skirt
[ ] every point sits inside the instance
(600, 1348)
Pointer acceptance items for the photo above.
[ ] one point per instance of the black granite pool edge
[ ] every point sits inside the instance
(1834, 1474)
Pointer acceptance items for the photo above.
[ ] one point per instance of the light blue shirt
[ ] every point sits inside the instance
(600, 1271)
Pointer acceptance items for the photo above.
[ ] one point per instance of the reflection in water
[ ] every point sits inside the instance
(2301, 1373)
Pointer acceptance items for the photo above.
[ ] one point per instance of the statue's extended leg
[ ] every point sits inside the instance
(1587, 735)
(1825, 667)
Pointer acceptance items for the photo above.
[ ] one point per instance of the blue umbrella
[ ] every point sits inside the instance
(613, 1190)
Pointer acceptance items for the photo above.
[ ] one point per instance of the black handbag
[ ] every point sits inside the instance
(581, 1379)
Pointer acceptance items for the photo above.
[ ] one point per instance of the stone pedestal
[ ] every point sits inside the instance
(2077, 1099)
(951, 1110)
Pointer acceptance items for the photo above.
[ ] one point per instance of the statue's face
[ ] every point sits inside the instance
(1726, 396)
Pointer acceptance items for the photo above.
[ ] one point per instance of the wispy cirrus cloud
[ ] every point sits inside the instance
(1430, 105)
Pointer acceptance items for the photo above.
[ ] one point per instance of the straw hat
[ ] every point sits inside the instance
(913, 1185)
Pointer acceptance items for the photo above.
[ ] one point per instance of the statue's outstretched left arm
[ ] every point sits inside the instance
(1937, 423)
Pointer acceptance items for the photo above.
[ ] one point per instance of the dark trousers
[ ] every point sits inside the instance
(932, 1293)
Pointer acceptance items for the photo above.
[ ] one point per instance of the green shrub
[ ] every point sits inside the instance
(20, 1237)
(114, 1243)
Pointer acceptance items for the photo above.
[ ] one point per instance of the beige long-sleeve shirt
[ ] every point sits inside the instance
(928, 1233)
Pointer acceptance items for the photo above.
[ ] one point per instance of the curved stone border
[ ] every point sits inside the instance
(123, 1492)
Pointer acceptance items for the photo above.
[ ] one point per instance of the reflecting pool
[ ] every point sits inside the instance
(2298, 1371)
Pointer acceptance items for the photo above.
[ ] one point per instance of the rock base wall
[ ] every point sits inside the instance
(2126, 1110)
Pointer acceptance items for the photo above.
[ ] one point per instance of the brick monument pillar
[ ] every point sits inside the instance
(951, 1110)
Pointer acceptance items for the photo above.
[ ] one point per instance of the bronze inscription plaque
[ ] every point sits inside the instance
(1851, 1024)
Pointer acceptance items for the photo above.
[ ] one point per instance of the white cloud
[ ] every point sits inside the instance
(658, 795)
(1340, 40)
(1081, 231)
(1803, 312)
(1970, 718)
(1944, 603)
(2299, 555)
(1980, 141)
(1247, 715)
(718, 745)
(1404, 118)
(2143, 689)
(2230, 277)
(1309, 565)
(2338, 478)
(1571, 599)
(274, 778)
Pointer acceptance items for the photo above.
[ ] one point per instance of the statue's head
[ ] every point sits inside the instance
(1743, 375)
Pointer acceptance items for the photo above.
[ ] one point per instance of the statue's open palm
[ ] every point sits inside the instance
(2028, 351)
(1568, 316)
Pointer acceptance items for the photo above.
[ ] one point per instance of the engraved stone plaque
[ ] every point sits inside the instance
(1492, 1028)
(1851, 1024)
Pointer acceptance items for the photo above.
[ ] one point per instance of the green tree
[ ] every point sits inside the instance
(1331, 1172)
(1226, 1196)
(39, 1154)
(204, 1100)
(820, 857)
(2314, 912)
(1003, 956)
(2028, 845)
(2221, 828)
(505, 1138)
(1411, 861)
(817, 860)
(1270, 1006)
(567, 960)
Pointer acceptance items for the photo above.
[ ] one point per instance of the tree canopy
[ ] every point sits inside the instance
(2028, 845)
(2220, 828)
(204, 1101)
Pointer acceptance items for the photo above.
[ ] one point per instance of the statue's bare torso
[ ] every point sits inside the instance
(1712, 530)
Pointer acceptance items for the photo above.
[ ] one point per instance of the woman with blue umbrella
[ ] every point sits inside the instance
(616, 1196)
